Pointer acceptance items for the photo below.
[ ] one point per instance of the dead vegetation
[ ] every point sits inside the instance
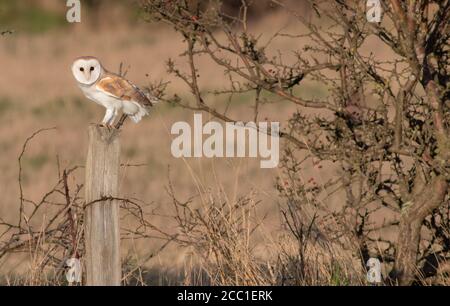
(381, 130)
(383, 124)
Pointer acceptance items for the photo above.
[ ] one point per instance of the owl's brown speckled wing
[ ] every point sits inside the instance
(123, 89)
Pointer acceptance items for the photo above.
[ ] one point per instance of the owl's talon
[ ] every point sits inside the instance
(103, 125)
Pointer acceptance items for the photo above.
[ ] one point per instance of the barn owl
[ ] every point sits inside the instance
(111, 91)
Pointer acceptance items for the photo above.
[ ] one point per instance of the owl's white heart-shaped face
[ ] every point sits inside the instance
(86, 70)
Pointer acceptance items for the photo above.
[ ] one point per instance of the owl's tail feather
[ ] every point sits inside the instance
(151, 97)
(139, 114)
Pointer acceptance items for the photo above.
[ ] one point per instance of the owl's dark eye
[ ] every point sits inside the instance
(91, 69)
(81, 69)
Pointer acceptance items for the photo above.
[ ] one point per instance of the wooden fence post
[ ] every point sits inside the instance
(102, 231)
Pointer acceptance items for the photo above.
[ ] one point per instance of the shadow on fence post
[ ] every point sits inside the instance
(102, 231)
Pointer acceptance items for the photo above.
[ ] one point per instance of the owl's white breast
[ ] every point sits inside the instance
(100, 97)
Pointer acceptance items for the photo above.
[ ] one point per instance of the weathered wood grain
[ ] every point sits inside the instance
(102, 236)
